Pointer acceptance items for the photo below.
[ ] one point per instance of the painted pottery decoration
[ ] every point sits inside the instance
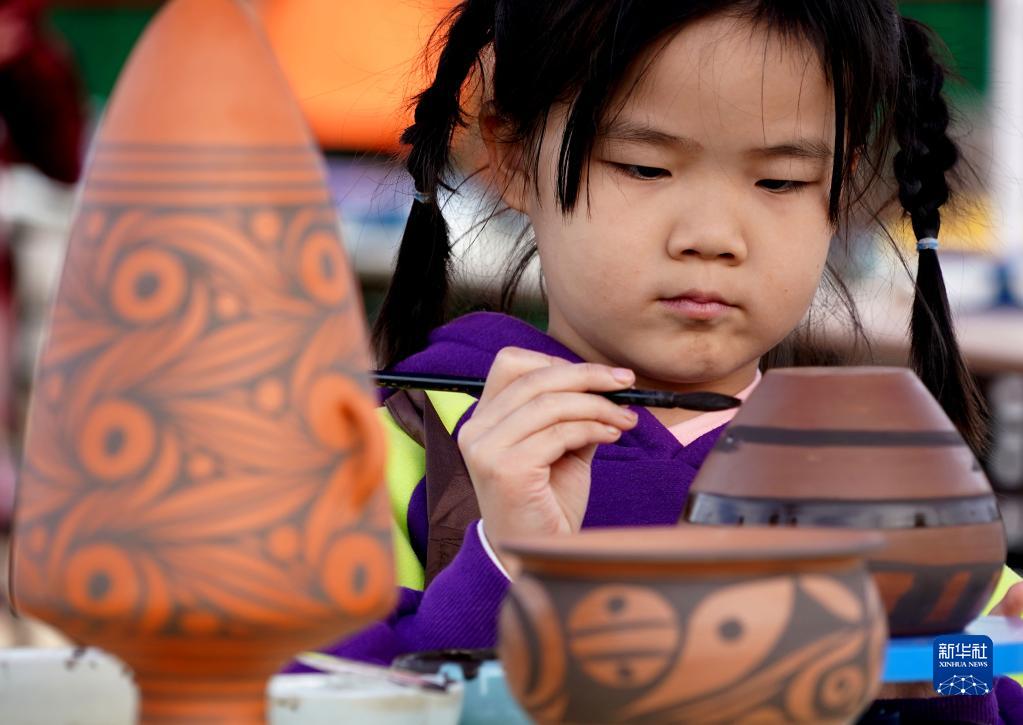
(864, 448)
(201, 491)
(694, 624)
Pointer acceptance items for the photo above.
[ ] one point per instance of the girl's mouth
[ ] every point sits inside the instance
(698, 305)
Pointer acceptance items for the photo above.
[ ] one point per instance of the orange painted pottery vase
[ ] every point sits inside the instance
(694, 624)
(871, 449)
(201, 492)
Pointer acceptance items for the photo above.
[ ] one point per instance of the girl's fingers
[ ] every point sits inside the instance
(554, 378)
(510, 364)
(549, 409)
(547, 446)
(1012, 603)
(509, 471)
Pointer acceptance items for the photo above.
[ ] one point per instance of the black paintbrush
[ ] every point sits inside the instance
(705, 402)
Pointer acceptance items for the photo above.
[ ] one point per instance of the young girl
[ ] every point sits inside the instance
(685, 167)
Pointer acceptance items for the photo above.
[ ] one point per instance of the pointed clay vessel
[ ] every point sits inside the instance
(694, 624)
(201, 491)
(864, 448)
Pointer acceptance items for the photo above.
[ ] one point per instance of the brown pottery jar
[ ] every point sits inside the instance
(201, 492)
(864, 448)
(694, 624)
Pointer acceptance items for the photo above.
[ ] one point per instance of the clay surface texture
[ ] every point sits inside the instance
(728, 635)
(867, 449)
(202, 493)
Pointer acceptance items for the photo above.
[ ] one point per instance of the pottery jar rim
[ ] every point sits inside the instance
(694, 544)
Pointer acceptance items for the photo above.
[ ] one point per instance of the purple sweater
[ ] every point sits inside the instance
(640, 480)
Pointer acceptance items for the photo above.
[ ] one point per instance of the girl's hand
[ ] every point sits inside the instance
(1012, 603)
(529, 443)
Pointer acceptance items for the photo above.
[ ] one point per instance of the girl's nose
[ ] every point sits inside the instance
(709, 244)
(711, 234)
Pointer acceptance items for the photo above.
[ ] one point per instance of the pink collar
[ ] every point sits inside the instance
(689, 430)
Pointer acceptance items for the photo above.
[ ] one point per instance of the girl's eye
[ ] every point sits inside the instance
(781, 185)
(641, 172)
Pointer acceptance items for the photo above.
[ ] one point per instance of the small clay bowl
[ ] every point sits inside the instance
(687, 623)
(487, 700)
(865, 448)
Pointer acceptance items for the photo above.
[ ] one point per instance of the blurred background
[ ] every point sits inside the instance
(354, 63)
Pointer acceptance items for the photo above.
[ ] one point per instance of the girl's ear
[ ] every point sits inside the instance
(504, 157)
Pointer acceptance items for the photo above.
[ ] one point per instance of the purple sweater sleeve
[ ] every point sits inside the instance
(457, 611)
(1004, 706)
(1010, 700)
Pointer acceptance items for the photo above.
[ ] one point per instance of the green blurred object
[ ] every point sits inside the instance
(100, 39)
(964, 26)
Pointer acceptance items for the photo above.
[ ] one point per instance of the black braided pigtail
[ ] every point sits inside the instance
(415, 301)
(926, 154)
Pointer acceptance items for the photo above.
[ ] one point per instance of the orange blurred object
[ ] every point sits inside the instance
(353, 65)
(202, 491)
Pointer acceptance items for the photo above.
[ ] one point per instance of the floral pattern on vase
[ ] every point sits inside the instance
(202, 490)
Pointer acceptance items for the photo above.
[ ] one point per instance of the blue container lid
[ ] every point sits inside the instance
(911, 659)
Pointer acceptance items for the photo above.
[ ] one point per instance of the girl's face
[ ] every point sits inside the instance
(707, 229)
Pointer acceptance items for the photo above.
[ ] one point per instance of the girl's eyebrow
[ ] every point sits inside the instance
(624, 130)
(813, 149)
